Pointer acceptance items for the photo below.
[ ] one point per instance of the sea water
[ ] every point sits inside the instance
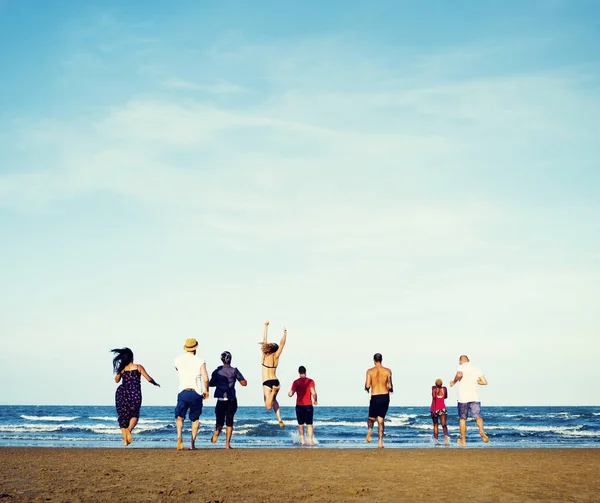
(335, 427)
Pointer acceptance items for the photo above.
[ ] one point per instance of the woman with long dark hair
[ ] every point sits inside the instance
(270, 359)
(128, 397)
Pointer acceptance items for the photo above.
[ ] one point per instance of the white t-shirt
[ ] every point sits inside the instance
(188, 367)
(467, 386)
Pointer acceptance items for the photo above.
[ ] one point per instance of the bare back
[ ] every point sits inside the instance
(269, 366)
(379, 380)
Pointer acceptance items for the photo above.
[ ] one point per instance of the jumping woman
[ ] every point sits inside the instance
(270, 359)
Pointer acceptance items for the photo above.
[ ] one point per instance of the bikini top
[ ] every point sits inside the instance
(267, 366)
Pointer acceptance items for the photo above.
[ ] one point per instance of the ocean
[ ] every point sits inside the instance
(335, 427)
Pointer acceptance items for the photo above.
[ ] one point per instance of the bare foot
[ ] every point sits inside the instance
(484, 437)
(180, 444)
(228, 447)
(193, 445)
(380, 444)
(128, 437)
(461, 442)
(446, 440)
(281, 423)
(369, 436)
(214, 437)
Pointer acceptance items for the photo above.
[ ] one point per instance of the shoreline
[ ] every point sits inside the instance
(292, 474)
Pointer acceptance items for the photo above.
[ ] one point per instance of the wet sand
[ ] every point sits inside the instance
(453, 474)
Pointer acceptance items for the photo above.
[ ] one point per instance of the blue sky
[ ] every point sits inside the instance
(419, 181)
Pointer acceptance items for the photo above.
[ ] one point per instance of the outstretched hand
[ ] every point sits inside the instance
(452, 383)
(267, 323)
(156, 384)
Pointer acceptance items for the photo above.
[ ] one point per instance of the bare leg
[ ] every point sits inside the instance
(132, 422)
(370, 423)
(445, 427)
(272, 403)
(311, 440)
(195, 426)
(179, 423)
(270, 394)
(216, 434)
(125, 432)
(301, 434)
(435, 428)
(462, 423)
(479, 421)
(380, 429)
(228, 433)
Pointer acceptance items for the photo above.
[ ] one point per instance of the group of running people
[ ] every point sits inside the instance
(194, 385)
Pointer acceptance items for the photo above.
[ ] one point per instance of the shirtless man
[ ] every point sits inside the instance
(379, 383)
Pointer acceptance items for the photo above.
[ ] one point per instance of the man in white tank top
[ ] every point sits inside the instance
(468, 377)
(193, 389)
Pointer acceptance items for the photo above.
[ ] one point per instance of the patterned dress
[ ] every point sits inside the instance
(128, 397)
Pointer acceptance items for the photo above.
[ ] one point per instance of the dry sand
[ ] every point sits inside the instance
(432, 475)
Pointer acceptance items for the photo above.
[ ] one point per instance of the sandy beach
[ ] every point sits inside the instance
(478, 475)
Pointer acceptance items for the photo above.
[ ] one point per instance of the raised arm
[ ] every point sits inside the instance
(146, 376)
(457, 378)
(204, 375)
(482, 380)
(281, 343)
(266, 332)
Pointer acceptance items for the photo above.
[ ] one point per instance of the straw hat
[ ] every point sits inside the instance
(190, 345)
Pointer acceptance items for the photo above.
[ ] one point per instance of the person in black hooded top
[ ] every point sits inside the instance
(223, 379)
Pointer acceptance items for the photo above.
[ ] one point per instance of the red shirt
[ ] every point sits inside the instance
(302, 387)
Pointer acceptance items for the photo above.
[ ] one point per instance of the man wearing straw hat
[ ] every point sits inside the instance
(191, 391)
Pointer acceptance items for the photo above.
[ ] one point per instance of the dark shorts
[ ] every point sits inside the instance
(378, 406)
(224, 412)
(473, 407)
(189, 399)
(271, 382)
(304, 414)
(435, 414)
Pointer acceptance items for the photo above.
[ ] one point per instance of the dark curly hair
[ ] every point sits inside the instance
(123, 357)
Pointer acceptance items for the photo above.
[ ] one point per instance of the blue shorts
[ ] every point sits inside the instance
(189, 399)
(473, 407)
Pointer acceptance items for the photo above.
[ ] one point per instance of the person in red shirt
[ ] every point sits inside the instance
(306, 397)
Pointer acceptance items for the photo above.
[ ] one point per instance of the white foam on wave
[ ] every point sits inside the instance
(49, 418)
(103, 418)
(576, 433)
(536, 429)
(26, 428)
(155, 421)
(340, 423)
